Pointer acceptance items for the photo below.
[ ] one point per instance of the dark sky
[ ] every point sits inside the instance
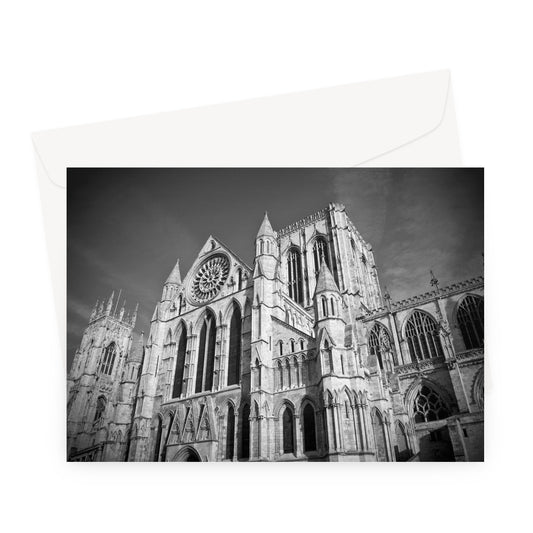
(127, 227)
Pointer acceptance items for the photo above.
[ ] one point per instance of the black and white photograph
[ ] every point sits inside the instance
(270, 238)
(275, 315)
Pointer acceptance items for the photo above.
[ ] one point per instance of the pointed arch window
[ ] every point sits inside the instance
(101, 404)
(380, 439)
(294, 271)
(206, 355)
(324, 306)
(379, 343)
(288, 431)
(328, 358)
(280, 375)
(288, 381)
(245, 433)
(108, 360)
(320, 254)
(429, 406)
(230, 433)
(423, 337)
(309, 428)
(401, 448)
(332, 306)
(180, 363)
(235, 346)
(281, 347)
(470, 317)
(292, 346)
(157, 442)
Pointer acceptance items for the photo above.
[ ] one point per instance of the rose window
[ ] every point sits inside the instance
(210, 278)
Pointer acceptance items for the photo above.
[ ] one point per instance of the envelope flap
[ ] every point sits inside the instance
(339, 126)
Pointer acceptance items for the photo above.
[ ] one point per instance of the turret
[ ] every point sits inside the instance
(328, 305)
(266, 250)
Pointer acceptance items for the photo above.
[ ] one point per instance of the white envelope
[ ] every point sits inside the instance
(407, 121)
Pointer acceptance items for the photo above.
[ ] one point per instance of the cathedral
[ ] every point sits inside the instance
(298, 357)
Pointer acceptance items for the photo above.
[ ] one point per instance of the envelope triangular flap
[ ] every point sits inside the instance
(338, 126)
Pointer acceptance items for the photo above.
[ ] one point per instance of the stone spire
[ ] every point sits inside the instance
(110, 303)
(175, 275)
(266, 229)
(134, 316)
(95, 310)
(325, 281)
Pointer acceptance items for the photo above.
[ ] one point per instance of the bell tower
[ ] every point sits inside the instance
(94, 381)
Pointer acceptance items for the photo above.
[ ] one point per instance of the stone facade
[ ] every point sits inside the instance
(298, 358)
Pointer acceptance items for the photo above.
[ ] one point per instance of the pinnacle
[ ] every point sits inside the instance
(266, 228)
(175, 275)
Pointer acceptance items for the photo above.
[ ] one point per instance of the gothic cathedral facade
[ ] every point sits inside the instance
(300, 357)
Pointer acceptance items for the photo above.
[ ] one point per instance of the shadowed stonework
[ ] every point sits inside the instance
(301, 356)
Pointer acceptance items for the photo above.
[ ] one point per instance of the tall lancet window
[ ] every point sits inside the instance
(294, 270)
(320, 254)
(470, 316)
(180, 362)
(379, 343)
(235, 335)
(230, 433)
(423, 337)
(108, 360)
(245, 432)
(157, 442)
(288, 431)
(206, 355)
(309, 429)
(101, 404)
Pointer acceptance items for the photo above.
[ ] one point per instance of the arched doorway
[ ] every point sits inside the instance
(187, 455)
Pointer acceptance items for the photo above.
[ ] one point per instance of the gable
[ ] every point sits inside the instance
(216, 272)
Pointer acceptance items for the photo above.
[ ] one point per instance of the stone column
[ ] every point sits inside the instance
(235, 436)
(332, 431)
(388, 443)
(298, 436)
(340, 432)
(190, 365)
(355, 431)
(367, 425)
(222, 442)
(220, 358)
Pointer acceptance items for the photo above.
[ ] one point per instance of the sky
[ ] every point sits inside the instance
(127, 227)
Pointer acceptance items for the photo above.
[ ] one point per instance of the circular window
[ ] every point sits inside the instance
(209, 278)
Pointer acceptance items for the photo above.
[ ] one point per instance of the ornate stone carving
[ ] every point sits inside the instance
(209, 278)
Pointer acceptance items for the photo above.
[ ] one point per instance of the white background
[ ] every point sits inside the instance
(66, 63)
